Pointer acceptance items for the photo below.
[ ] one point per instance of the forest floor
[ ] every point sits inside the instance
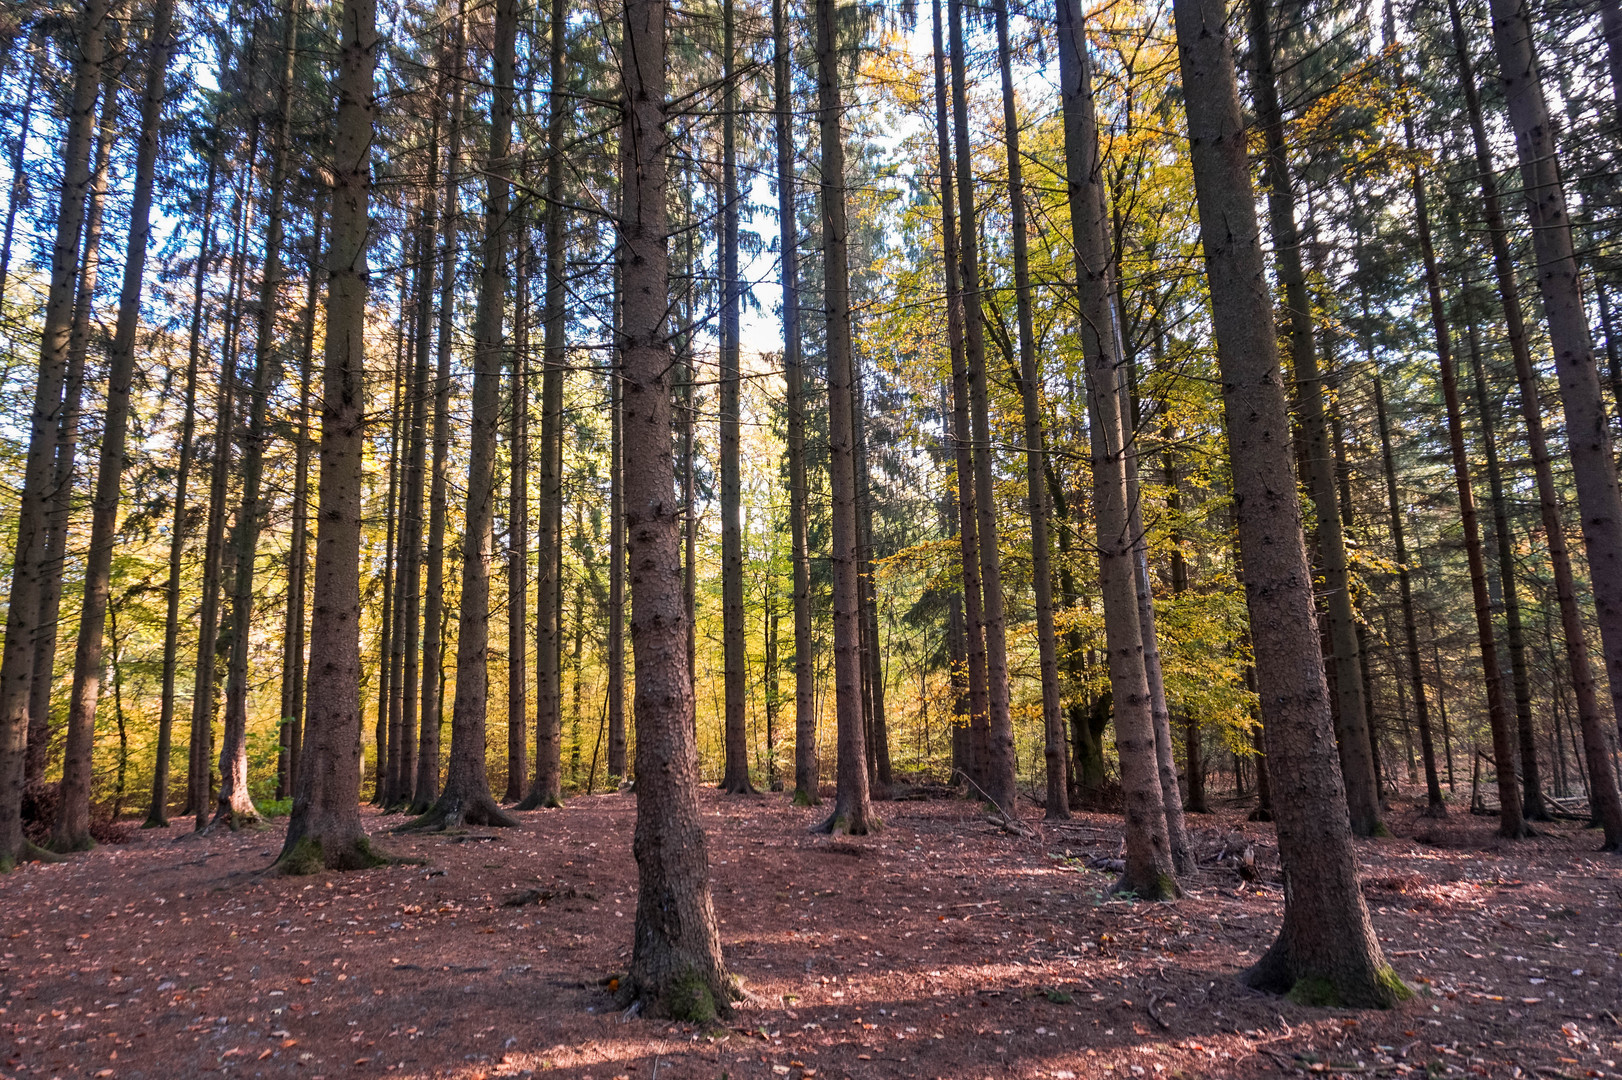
(942, 947)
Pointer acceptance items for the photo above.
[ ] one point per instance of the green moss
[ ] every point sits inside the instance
(1388, 978)
(689, 999)
(839, 825)
(802, 798)
(1380, 832)
(304, 859)
(1315, 992)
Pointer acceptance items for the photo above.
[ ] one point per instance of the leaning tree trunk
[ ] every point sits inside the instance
(998, 777)
(853, 813)
(425, 791)
(1593, 465)
(1058, 803)
(235, 804)
(1182, 857)
(157, 814)
(1149, 871)
(466, 799)
(962, 440)
(806, 778)
(1532, 807)
(1511, 824)
(676, 966)
(735, 778)
(1351, 725)
(28, 567)
(324, 829)
(1326, 949)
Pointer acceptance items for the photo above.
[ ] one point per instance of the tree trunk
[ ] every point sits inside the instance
(852, 813)
(1194, 749)
(386, 755)
(547, 788)
(157, 815)
(735, 779)
(806, 778)
(1435, 806)
(62, 473)
(1588, 429)
(518, 534)
(962, 441)
(1532, 807)
(616, 547)
(1058, 805)
(1511, 824)
(997, 781)
(1326, 948)
(466, 798)
(235, 804)
(1149, 871)
(426, 789)
(1351, 727)
(18, 193)
(878, 735)
(676, 966)
(28, 567)
(291, 740)
(324, 829)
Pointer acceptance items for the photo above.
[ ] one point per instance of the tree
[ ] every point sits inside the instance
(852, 813)
(806, 778)
(324, 829)
(1351, 728)
(28, 568)
(466, 798)
(736, 778)
(1326, 949)
(1058, 806)
(1149, 872)
(1588, 429)
(676, 965)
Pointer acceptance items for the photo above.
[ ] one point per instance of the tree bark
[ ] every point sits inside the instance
(1532, 807)
(324, 830)
(62, 473)
(518, 535)
(852, 813)
(235, 804)
(1588, 429)
(735, 778)
(1435, 805)
(616, 544)
(676, 965)
(997, 781)
(1058, 804)
(291, 741)
(547, 788)
(1326, 948)
(28, 568)
(806, 771)
(962, 441)
(466, 798)
(1351, 726)
(157, 816)
(1149, 869)
(426, 789)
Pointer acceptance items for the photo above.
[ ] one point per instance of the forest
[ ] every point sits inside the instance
(1139, 476)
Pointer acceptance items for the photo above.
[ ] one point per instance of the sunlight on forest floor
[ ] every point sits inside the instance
(940, 948)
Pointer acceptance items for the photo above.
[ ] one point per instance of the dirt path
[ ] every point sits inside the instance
(940, 948)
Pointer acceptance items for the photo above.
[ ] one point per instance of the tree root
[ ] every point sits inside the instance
(540, 800)
(30, 852)
(453, 812)
(309, 856)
